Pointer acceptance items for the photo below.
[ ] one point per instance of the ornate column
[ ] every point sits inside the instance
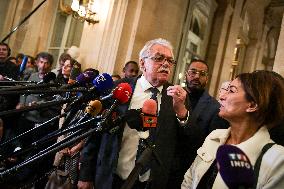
(279, 57)
(103, 37)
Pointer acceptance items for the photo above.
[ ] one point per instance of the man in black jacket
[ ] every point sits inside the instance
(108, 159)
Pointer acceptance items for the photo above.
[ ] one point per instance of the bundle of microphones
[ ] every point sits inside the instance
(100, 100)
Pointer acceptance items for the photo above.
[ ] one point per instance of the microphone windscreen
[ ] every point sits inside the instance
(234, 167)
(90, 76)
(23, 64)
(149, 107)
(149, 114)
(81, 79)
(103, 82)
(133, 119)
(94, 107)
(50, 76)
(122, 92)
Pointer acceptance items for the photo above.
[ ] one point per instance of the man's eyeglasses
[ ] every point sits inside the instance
(162, 58)
(193, 72)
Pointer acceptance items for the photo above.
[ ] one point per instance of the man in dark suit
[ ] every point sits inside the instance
(203, 118)
(108, 159)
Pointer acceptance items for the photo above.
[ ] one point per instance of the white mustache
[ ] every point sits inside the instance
(163, 69)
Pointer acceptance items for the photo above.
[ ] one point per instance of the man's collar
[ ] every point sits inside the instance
(146, 85)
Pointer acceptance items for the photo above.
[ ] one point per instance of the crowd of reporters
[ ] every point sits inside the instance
(69, 123)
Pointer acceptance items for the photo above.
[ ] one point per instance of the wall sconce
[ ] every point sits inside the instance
(83, 10)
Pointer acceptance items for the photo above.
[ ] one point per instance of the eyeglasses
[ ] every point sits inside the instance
(193, 72)
(162, 58)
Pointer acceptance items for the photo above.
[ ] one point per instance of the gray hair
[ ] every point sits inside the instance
(145, 50)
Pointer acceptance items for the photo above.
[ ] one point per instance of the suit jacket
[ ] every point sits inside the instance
(100, 155)
(202, 120)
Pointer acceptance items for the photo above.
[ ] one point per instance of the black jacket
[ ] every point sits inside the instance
(100, 155)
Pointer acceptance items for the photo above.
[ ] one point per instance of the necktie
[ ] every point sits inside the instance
(144, 143)
(154, 92)
(152, 131)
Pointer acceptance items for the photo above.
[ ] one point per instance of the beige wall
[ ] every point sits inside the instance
(279, 58)
(32, 36)
(125, 26)
(151, 19)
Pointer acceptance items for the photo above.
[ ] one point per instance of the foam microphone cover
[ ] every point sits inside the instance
(234, 167)
(149, 107)
(103, 82)
(149, 113)
(89, 76)
(81, 79)
(23, 64)
(122, 92)
(50, 76)
(94, 107)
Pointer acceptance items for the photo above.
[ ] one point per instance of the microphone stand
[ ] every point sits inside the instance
(13, 83)
(143, 160)
(37, 144)
(31, 130)
(47, 138)
(32, 86)
(46, 91)
(29, 108)
(23, 21)
(68, 141)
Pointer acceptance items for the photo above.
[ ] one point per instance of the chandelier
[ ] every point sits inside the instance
(83, 10)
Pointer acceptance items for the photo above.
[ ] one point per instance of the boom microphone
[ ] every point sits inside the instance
(149, 113)
(93, 109)
(81, 80)
(235, 167)
(89, 76)
(101, 83)
(110, 121)
(143, 119)
(43, 83)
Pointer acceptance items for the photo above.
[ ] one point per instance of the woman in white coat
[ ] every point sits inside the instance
(253, 103)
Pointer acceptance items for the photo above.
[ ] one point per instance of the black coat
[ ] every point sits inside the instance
(100, 155)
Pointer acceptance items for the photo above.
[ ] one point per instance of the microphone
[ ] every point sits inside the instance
(93, 108)
(110, 120)
(81, 80)
(42, 91)
(50, 76)
(122, 93)
(89, 76)
(23, 64)
(47, 104)
(143, 119)
(101, 83)
(235, 167)
(149, 113)
(43, 83)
